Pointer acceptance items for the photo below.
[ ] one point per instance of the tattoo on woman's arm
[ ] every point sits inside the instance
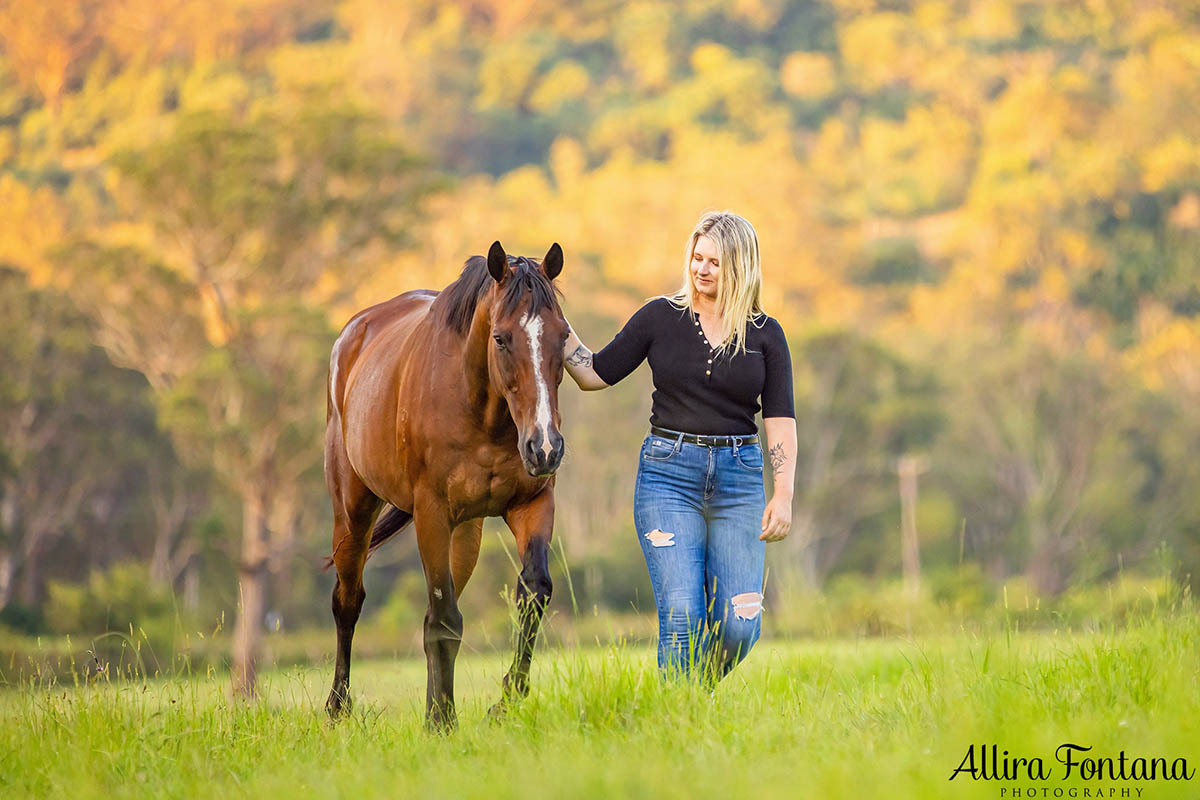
(778, 459)
(582, 357)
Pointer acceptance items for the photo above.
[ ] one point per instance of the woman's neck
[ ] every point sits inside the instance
(704, 306)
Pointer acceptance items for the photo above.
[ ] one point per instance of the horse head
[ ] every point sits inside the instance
(525, 358)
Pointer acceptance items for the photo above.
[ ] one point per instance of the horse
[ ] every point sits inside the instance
(443, 410)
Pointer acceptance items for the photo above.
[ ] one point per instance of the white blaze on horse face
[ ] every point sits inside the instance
(533, 329)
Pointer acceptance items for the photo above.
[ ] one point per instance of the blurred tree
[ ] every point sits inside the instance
(259, 220)
(74, 431)
(859, 408)
(1022, 454)
(641, 34)
(47, 44)
(34, 220)
(920, 175)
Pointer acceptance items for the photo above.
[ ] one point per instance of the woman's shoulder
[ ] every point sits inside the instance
(660, 307)
(767, 328)
(766, 323)
(664, 303)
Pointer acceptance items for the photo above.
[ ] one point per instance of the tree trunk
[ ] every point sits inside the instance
(160, 559)
(908, 468)
(1046, 570)
(252, 585)
(6, 578)
(174, 502)
(191, 586)
(8, 527)
(31, 589)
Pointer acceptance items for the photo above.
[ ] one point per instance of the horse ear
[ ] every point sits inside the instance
(552, 264)
(497, 261)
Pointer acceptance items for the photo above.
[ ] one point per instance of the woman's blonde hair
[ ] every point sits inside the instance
(739, 284)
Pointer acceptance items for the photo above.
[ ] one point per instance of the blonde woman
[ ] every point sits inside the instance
(699, 508)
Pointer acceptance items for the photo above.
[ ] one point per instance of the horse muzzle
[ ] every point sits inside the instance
(542, 456)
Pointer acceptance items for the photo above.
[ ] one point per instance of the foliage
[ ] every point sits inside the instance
(78, 442)
(980, 224)
(113, 598)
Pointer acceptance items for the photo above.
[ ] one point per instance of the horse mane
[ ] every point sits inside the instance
(455, 306)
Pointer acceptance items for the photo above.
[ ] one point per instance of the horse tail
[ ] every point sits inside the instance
(388, 525)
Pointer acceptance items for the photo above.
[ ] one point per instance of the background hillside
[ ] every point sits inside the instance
(980, 224)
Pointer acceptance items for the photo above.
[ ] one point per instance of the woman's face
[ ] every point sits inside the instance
(706, 267)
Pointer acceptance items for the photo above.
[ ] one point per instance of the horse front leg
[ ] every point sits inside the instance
(532, 524)
(443, 621)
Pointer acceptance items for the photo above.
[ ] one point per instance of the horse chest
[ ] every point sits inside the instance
(483, 486)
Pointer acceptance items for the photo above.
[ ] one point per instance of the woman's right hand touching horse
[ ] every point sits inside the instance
(578, 361)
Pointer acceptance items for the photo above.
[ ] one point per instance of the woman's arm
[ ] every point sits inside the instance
(779, 412)
(578, 361)
(618, 358)
(781, 460)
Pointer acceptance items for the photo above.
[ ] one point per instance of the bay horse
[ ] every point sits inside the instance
(443, 408)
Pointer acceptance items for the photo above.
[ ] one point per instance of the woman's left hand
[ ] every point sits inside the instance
(777, 519)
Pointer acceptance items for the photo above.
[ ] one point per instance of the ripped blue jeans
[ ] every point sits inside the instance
(698, 513)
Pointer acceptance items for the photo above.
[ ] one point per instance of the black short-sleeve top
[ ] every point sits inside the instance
(695, 389)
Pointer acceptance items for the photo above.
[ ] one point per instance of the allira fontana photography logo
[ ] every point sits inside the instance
(1100, 775)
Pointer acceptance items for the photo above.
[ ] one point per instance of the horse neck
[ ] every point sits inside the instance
(489, 405)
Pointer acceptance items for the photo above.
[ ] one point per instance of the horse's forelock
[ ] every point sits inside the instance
(526, 283)
(456, 304)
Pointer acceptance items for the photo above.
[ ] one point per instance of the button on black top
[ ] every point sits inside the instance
(695, 390)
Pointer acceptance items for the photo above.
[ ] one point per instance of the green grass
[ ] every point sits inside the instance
(887, 717)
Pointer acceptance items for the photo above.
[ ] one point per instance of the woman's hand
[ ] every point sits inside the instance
(777, 519)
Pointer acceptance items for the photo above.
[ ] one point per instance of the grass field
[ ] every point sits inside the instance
(884, 717)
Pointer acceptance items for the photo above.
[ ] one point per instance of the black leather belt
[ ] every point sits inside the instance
(707, 441)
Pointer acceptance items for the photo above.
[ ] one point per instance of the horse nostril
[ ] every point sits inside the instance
(533, 455)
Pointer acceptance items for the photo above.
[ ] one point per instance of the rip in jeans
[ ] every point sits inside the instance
(747, 605)
(661, 538)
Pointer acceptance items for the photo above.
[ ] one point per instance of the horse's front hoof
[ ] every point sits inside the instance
(338, 705)
(441, 725)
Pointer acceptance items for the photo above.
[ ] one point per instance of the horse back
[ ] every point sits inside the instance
(393, 320)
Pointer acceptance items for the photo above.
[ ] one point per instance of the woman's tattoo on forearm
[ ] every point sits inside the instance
(582, 357)
(778, 459)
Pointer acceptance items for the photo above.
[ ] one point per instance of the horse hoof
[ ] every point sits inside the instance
(497, 712)
(441, 727)
(338, 706)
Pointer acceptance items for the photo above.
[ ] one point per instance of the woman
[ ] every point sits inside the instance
(698, 505)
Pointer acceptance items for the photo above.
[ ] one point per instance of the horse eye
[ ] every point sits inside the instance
(499, 340)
